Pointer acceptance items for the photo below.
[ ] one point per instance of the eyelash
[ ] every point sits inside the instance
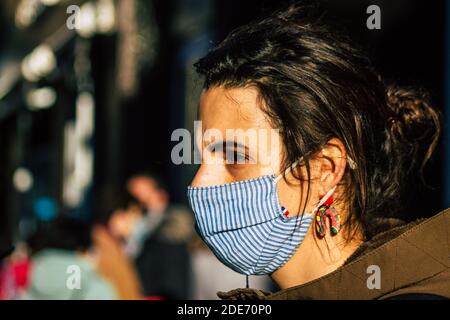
(236, 156)
(239, 156)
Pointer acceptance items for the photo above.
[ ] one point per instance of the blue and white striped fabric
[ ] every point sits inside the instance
(244, 225)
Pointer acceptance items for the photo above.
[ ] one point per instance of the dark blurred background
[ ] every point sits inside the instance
(82, 110)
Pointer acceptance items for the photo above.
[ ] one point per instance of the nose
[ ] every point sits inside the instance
(203, 177)
(209, 175)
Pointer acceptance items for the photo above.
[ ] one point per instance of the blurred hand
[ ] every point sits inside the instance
(114, 265)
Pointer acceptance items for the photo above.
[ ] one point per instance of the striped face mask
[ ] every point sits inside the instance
(246, 227)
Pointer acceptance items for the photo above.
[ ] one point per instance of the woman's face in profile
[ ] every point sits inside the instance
(238, 142)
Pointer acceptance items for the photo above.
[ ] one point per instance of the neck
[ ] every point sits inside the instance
(314, 259)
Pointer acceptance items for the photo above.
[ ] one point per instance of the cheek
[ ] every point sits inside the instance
(290, 196)
(293, 196)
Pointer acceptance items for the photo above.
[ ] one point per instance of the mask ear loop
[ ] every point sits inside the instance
(293, 165)
(324, 199)
(351, 164)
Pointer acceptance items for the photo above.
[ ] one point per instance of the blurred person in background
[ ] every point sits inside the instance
(14, 272)
(11, 279)
(156, 234)
(59, 251)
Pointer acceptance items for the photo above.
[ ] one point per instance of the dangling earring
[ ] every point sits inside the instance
(325, 211)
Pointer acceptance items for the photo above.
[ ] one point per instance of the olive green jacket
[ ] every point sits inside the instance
(413, 261)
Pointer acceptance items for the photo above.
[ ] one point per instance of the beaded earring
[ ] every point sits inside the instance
(324, 212)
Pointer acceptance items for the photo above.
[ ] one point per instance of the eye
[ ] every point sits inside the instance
(240, 158)
(231, 154)
(237, 158)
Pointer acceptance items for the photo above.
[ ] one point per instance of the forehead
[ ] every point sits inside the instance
(225, 108)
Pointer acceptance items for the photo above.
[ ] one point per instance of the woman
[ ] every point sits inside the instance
(318, 218)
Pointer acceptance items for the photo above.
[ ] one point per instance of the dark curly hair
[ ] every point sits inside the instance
(317, 85)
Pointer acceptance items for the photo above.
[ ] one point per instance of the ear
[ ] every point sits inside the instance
(332, 163)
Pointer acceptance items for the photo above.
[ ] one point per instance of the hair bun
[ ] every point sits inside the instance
(413, 126)
(412, 116)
